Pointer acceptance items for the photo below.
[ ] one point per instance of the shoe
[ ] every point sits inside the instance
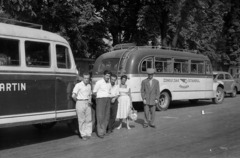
(128, 127)
(100, 136)
(88, 137)
(145, 125)
(84, 138)
(119, 127)
(153, 126)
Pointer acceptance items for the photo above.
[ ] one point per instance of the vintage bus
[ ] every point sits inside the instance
(37, 75)
(182, 75)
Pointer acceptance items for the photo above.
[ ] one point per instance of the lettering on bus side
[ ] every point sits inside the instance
(12, 87)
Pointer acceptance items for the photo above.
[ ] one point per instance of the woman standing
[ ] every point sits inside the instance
(124, 102)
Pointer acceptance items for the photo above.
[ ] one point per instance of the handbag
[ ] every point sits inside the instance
(132, 114)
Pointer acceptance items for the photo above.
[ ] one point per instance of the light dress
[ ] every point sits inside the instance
(124, 103)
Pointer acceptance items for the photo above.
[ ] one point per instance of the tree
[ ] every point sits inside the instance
(72, 19)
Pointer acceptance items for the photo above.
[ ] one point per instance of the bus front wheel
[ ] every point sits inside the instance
(164, 101)
(219, 96)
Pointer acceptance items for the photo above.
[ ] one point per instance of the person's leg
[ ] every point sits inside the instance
(100, 116)
(127, 120)
(146, 112)
(120, 125)
(113, 113)
(153, 111)
(88, 121)
(81, 117)
(107, 113)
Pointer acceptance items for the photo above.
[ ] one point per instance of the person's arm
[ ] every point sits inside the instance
(157, 92)
(90, 96)
(96, 88)
(130, 96)
(75, 92)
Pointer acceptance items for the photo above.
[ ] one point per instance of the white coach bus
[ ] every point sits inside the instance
(182, 75)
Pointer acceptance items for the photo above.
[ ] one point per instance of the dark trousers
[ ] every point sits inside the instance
(149, 109)
(113, 114)
(102, 113)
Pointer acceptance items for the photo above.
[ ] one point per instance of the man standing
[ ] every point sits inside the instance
(82, 95)
(114, 103)
(102, 92)
(150, 91)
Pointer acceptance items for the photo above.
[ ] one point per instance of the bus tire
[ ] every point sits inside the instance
(234, 93)
(193, 101)
(44, 126)
(220, 96)
(164, 101)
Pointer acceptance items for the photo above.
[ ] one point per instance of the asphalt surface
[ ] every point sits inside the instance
(182, 132)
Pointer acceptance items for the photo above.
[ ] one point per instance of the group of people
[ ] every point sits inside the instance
(113, 101)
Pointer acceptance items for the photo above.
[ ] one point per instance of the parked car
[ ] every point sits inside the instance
(236, 77)
(230, 85)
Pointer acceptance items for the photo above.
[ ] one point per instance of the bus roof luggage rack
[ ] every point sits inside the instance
(20, 23)
(167, 48)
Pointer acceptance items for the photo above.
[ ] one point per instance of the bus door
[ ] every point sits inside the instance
(65, 82)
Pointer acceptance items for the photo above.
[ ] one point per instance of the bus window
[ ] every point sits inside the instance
(108, 64)
(180, 66)
(197, 67)
(163, 64)
(146, 64)
(63, 59)
(208, 68)
(9, 52)
(37, 54)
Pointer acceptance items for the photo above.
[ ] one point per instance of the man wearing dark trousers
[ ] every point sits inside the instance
(150, 92)
(114, 103)
(102, 92)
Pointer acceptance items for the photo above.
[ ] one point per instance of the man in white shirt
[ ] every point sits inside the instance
(114, 103)
(82, 95)
(102, 92)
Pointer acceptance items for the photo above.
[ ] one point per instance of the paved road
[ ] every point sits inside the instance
(181, 132)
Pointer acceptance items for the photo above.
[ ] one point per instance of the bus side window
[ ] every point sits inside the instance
(163, 65)
(197, 67)
(63, 58)
(146, 64)
(9, 52)
(180, 66)
(37, 54)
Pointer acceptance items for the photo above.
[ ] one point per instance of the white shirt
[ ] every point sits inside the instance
(102, 88)
(82, 91)
(114, 91)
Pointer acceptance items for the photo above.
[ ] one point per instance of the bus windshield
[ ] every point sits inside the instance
(110, 64)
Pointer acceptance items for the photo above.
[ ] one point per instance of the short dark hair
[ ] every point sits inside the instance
(113, 75)
(107, 72)
(124, 76)
(85, 74)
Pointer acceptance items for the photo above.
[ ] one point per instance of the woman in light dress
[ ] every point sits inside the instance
(124, 102)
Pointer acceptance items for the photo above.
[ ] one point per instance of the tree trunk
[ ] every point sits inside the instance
(175, 38)
(164, 27)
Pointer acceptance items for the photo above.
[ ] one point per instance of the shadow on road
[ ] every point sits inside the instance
(27, 135)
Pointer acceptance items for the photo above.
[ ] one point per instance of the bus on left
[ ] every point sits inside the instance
(37, 75)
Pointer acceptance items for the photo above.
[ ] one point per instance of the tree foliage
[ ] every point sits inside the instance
(212, 27)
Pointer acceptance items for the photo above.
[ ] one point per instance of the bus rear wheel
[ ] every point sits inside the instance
(164, 101)
(219, 96)
(44, 126)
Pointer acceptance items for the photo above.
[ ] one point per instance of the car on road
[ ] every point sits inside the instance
(230, 85)
(236, 77)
